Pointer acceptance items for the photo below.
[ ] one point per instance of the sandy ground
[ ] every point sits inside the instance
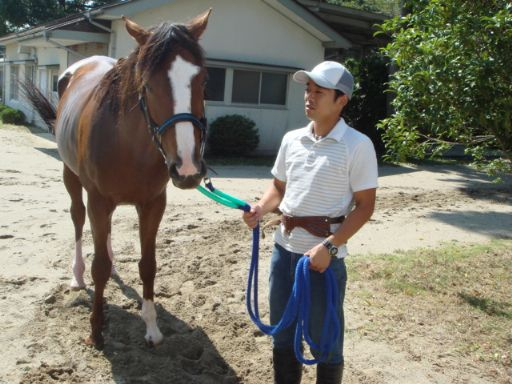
(203, 256)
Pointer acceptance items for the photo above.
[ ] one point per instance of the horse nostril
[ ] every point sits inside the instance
(178, 163)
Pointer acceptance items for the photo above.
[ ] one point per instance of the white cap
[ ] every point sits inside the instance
(328, 74)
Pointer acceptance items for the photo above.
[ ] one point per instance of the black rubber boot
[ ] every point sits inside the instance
(329, 373)
(287, 369)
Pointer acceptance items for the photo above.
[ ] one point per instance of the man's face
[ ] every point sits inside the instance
(320, 103)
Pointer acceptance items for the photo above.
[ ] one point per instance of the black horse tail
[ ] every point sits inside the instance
(42, 105)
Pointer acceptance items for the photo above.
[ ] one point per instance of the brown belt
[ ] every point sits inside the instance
(319, 226)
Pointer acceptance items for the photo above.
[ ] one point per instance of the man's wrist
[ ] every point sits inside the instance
(331, 248)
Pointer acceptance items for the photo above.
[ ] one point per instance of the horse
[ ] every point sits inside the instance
(123, 129)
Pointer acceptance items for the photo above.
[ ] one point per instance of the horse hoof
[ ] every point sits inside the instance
(98, 344)
(76, 285)
(153, 341)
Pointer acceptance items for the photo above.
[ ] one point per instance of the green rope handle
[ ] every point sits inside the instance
(222, 198)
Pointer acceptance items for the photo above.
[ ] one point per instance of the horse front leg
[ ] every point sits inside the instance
(100, 211)
(150, 215)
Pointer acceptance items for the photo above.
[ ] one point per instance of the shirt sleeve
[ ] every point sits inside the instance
(279, 169)
(363, 171)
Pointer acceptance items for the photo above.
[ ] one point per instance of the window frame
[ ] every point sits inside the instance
(230, 68)
(14, 75)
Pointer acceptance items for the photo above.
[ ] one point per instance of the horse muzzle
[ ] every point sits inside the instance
(189, 181)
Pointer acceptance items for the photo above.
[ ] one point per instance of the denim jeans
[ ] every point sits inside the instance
(282, 276)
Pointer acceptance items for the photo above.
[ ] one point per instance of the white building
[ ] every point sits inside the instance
(252, 47)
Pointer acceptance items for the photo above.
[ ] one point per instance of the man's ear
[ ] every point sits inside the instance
(198, 24)
(136, 31)
(343, 101)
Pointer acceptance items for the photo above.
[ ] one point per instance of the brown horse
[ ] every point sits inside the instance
(101, 126)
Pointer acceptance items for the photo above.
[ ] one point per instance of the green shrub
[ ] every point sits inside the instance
(12, 116)
(2, 107)
(232, 135)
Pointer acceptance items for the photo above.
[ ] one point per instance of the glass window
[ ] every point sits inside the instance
(15, 71)
(215, 84)
(246, 87)
(29, 72)
(55, 82)
(273, 88)
(1, 82)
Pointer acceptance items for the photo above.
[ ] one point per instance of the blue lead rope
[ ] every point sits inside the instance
(299, 303)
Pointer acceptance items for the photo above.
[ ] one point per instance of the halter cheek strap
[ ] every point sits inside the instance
(159, 130)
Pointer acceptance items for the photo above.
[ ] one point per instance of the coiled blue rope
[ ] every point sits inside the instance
(299, 304)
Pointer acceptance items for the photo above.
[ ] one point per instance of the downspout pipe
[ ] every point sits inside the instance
(88, 16)
(112, 45)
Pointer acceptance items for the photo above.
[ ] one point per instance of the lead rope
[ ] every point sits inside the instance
(299, 303)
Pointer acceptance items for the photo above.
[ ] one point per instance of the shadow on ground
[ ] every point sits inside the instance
(185, 356)
(494, 224)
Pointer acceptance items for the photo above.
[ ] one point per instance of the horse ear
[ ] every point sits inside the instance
(198, 24)
(136, 31)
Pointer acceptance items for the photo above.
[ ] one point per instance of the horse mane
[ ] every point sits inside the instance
(126, 79)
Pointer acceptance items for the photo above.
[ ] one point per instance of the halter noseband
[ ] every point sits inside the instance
(158, 130)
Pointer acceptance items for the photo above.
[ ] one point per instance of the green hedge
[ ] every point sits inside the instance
(11, 116)
(232, 135)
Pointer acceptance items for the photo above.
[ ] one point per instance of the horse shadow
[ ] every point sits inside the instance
(186, 355)
(52, 152)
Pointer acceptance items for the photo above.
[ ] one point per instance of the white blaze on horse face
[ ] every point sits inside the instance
(153, 334)
(181, 74)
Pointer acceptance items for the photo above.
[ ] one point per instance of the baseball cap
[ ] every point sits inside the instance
(328, 74)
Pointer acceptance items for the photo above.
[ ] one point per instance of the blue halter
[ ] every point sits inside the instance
(159, 130)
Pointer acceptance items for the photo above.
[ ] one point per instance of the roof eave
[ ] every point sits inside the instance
(309, 22)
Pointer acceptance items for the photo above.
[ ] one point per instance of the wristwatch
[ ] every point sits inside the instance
(333, 250)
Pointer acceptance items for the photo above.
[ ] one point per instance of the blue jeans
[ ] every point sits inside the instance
(282, 276)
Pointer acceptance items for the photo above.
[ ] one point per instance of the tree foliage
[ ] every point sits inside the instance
(369, 103)
(391, 7)
(16, 15)
(453, 83)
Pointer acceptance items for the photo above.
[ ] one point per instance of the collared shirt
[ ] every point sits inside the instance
(321, 177)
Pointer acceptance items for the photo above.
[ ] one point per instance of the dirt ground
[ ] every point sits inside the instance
(203, 253)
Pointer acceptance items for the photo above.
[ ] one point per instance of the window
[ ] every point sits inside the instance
(215, 84)
(273, 88)
(246, 87)
(254, 87)
(15, 72)
(29, 72)
(1, 82)
(55, 82)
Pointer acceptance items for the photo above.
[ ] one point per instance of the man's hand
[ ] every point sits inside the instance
(252, 217)
(319, 258)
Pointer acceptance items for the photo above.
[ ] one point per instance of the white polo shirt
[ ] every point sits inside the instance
(321, 177)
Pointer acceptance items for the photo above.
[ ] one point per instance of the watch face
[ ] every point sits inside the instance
(333, 251)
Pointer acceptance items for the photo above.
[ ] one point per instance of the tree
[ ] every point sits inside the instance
(453, 84)
(391, 7)
(16, 15)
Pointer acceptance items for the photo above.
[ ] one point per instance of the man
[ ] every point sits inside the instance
(325, 180)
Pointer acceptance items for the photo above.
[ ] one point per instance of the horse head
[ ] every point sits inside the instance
(170, 76)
